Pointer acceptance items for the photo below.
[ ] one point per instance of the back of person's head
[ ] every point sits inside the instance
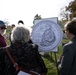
(71, 26)
(20, 22)
(13, 25)
(20, 34)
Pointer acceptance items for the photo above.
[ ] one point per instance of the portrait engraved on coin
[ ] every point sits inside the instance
(47, 35)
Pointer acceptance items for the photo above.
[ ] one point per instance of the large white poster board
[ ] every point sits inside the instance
(47, 34)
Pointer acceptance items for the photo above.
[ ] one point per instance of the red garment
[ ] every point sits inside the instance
(2, 41)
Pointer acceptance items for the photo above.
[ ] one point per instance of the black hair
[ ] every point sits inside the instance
(71, 26)
(20, 21)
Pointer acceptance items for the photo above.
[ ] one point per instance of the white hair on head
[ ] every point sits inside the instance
(20, 34)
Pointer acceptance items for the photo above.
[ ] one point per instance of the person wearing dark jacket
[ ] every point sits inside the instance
(26, 55)
(68, 59)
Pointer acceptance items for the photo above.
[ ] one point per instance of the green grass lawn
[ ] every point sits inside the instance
(50, 59)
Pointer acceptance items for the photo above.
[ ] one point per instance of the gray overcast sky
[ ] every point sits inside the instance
(14, 10)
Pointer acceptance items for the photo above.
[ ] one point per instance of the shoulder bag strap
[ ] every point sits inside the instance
(17, 66)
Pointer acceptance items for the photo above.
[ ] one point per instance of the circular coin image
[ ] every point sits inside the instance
(47, 35)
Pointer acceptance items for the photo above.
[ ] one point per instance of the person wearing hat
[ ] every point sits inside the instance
(2, 32)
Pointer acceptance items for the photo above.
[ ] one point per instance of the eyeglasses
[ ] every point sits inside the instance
(3, 28)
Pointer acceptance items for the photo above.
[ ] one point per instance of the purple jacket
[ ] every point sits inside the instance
(2, 41)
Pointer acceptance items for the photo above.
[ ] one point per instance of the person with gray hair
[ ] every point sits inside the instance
(20, 34)
(26, 55)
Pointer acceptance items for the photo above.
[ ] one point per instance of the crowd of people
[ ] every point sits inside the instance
(26, 54)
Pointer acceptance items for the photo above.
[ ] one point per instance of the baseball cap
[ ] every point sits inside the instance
(2, 24)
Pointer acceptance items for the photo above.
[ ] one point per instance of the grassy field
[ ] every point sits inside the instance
(50, 59)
